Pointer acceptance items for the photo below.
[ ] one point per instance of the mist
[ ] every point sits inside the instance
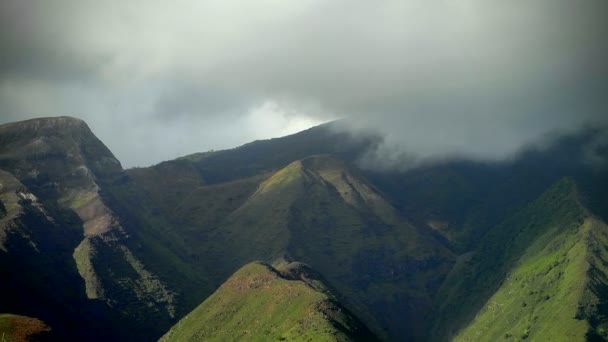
(468, 78)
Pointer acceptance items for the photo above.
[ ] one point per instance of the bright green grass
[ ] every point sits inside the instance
(552, 288)
(533, 252)
(540, 297)
(258, 304)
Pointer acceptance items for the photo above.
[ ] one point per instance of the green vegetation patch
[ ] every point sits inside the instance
(534, 254)
(259, 304)
(540, 297)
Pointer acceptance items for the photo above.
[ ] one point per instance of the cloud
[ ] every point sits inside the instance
(466, 77)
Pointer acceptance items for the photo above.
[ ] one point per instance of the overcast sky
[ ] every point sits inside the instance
(160, 79)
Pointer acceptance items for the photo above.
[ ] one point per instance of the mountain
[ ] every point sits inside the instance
(63, 228)
(540, 274)
(320, 211)
(450, 205)
(456, 249)
(263, 303)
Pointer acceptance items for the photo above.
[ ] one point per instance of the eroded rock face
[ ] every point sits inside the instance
(59, 163)
(60, 158)
(15, 200)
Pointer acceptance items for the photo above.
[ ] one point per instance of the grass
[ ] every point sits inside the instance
(530, 277)
(82, 255)
(258, 303)
(77, 199)
(540, 298)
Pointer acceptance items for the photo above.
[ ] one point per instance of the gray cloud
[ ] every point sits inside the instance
(156, 80)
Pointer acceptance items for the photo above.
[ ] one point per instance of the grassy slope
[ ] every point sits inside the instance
(545, 297)
(527, 275)
(15, 328)
(259, 303)
(155, 251)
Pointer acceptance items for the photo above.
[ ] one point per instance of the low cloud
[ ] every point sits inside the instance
(157, 80)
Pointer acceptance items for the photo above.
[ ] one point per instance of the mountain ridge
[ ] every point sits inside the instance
(294, 308)
(142, 247)
(552, 278)
(67, 169)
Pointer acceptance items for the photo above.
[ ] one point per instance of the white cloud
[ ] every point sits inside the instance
(270, 116)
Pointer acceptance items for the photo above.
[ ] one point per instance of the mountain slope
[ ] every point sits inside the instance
(530, 277)
(446, 213)
(386, 239)
(462, 199)
(261, 303)
(552, 293)
(66, 177)
(38, 279)
(322, 212)
(98, 252)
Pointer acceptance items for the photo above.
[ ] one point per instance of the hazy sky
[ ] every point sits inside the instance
(159, 79)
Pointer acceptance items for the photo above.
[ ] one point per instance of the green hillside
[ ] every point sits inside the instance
(551, 294)
(385, 240)
(261, 303)
(320, 212)
(532, 276)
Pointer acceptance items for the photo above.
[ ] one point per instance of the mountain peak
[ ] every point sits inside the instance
(59, 157)
(46, 124)
(259, 303)
(51, 140)
(323, 162)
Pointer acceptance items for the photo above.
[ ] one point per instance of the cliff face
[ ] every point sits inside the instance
(54, 175)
